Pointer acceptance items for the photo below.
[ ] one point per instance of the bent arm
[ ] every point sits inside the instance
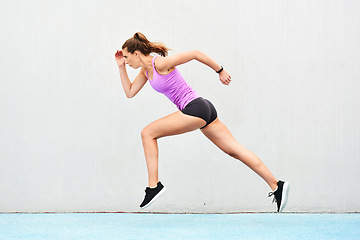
(131, 88)
(165, 63)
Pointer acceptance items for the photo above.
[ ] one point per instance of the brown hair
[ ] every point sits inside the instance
(140, 42)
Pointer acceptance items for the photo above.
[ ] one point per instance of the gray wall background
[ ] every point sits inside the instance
(70, 139)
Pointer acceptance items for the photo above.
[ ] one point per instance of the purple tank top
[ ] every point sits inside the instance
(173, 86)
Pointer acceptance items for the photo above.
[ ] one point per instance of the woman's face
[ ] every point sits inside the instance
(131, 59)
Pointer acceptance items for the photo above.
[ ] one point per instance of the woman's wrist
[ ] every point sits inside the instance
(220, 70)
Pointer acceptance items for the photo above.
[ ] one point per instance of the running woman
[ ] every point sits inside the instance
(194, 112)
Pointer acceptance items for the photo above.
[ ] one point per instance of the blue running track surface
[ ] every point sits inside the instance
(127, 226)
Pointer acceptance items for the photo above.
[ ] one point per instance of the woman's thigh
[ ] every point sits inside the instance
(220, 135)
(173, 124)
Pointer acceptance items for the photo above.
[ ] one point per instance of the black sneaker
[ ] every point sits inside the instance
(151, 194)
(281, 195)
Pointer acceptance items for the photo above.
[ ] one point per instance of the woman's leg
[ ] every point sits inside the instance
(220, 135)
(172, 124)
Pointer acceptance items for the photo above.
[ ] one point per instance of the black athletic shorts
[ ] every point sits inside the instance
(201, 108)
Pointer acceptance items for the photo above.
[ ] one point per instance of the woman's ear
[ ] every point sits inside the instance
(137, 53)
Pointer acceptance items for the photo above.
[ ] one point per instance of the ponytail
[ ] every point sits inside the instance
(140, 42)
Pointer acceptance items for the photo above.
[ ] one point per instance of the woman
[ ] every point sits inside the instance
(194, 111)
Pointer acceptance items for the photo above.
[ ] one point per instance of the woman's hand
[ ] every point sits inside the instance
(119, 57)
(225, 77)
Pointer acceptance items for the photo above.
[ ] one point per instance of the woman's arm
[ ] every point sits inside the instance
(130, 88)
(165, 63)
(169, 62)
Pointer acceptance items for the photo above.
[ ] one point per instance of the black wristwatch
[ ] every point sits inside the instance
(220, 70)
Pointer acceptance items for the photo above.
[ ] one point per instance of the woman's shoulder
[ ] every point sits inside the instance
(158, 61)
(170, 62)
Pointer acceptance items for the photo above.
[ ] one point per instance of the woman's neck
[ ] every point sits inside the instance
(147, 62)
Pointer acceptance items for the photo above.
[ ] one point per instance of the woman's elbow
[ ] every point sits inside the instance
(129, 95)
(196, 54)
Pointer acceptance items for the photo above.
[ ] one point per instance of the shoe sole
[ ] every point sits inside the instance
(157, 195)
(285, 195)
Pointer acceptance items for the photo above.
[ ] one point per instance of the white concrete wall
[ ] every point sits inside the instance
(70, 139)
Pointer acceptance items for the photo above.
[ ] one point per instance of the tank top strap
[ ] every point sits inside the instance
(155, 73)
(153, 61)
(153, 65)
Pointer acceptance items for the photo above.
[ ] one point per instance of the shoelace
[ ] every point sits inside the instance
(272, 194)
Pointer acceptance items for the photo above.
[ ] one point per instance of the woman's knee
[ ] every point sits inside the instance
(236, 151)
(232, 153)
(148, 133)
(249, 158)
(230, 148)
(145, 133)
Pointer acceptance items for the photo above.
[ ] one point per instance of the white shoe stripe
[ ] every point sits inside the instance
(285, 195)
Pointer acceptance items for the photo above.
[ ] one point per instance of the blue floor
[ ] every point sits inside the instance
(126, 226)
